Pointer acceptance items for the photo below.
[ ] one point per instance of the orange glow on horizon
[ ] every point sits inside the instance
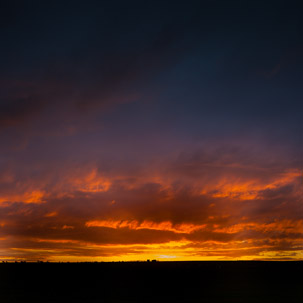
(172, 250)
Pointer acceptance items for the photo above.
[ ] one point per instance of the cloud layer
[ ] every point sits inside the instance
(218, 214)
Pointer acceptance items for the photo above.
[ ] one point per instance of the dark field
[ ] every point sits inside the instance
(152, 282)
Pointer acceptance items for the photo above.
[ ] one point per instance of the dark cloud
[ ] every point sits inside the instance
(16, 111)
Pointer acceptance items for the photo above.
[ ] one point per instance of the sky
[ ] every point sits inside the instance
(134, 130)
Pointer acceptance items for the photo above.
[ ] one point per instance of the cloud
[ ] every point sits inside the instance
(146, 213)
(15, 111)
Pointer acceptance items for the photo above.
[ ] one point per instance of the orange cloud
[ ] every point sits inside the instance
(36, 196)
(288, 226)
(133, 224)
(67, 227)
(91, 182)
(51, 214)
(247, 190)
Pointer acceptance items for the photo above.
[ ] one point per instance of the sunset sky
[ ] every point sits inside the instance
(134, 130)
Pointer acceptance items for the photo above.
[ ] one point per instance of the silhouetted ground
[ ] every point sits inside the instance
(153, 282)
